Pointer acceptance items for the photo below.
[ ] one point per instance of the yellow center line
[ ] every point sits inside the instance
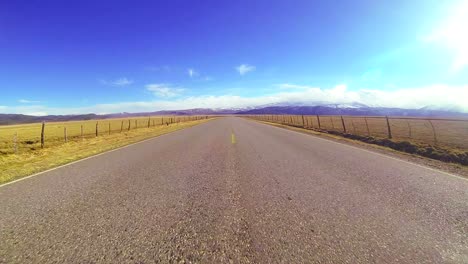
(233, 138)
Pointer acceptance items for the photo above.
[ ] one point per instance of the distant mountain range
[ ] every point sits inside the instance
(353, 110)
(326, 109)
(11, 119)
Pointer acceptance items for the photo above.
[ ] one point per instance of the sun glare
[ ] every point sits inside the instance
(453, 33)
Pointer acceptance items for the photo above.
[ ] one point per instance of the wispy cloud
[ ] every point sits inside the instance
(117, 82)
(25, 101)
(192, 73)
(245, 68)
(164, 90)
(437, 96)
(292, 86)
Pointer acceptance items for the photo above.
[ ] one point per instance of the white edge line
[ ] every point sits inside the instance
(90, 157)
(369, 151)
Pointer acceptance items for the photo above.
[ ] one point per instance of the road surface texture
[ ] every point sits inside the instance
(234, 190)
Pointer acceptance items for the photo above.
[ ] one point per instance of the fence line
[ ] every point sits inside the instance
(432, 131)
(17, 138)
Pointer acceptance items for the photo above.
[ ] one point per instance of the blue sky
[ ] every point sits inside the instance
(70, 57)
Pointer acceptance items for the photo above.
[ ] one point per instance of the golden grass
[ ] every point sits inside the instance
(457, 156)
(29, 135)
(29, 161)
(448, 133)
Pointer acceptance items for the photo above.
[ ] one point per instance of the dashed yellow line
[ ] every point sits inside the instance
(233, 138)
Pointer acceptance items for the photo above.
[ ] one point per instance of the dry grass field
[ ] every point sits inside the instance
(27, 137)
(440, 139)
(450, 133)
(31, 158)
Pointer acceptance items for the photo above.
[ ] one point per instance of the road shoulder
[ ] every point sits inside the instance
(451, 168)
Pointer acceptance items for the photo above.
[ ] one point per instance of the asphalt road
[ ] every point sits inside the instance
(264, 195)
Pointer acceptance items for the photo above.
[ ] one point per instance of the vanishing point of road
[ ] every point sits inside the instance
(234, 190)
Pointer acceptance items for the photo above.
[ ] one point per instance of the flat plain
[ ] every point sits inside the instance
(272, 195)
(31, 158)
(446, 132)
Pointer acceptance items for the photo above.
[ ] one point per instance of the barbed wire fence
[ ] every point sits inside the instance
(433, 131)
(27, 137)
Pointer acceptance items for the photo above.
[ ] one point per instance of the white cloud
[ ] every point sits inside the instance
(437, 96)
(292, 86)
(192, 73)
(244, 68)
(24, 101)
(36, 113)
(163, 90)
(117, 82)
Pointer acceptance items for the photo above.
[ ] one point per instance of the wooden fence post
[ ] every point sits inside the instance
(342, 122)
(129, 125)
(367, 127)
(318, 121)
(433, 131)
(42, 134)
(333, 124)
(388, 128)
(97, 129)
(109, 128)
(15, 142)
(81, 130)
(121, 126)
(65, 134)
(303, 122)
(409, 128)
(136, 123)
(149, 122)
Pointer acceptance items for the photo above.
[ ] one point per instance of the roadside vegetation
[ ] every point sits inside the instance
(30, 158)
(426, 150)
(440, 139)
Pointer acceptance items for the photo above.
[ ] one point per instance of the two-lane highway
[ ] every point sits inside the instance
(234, 190)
